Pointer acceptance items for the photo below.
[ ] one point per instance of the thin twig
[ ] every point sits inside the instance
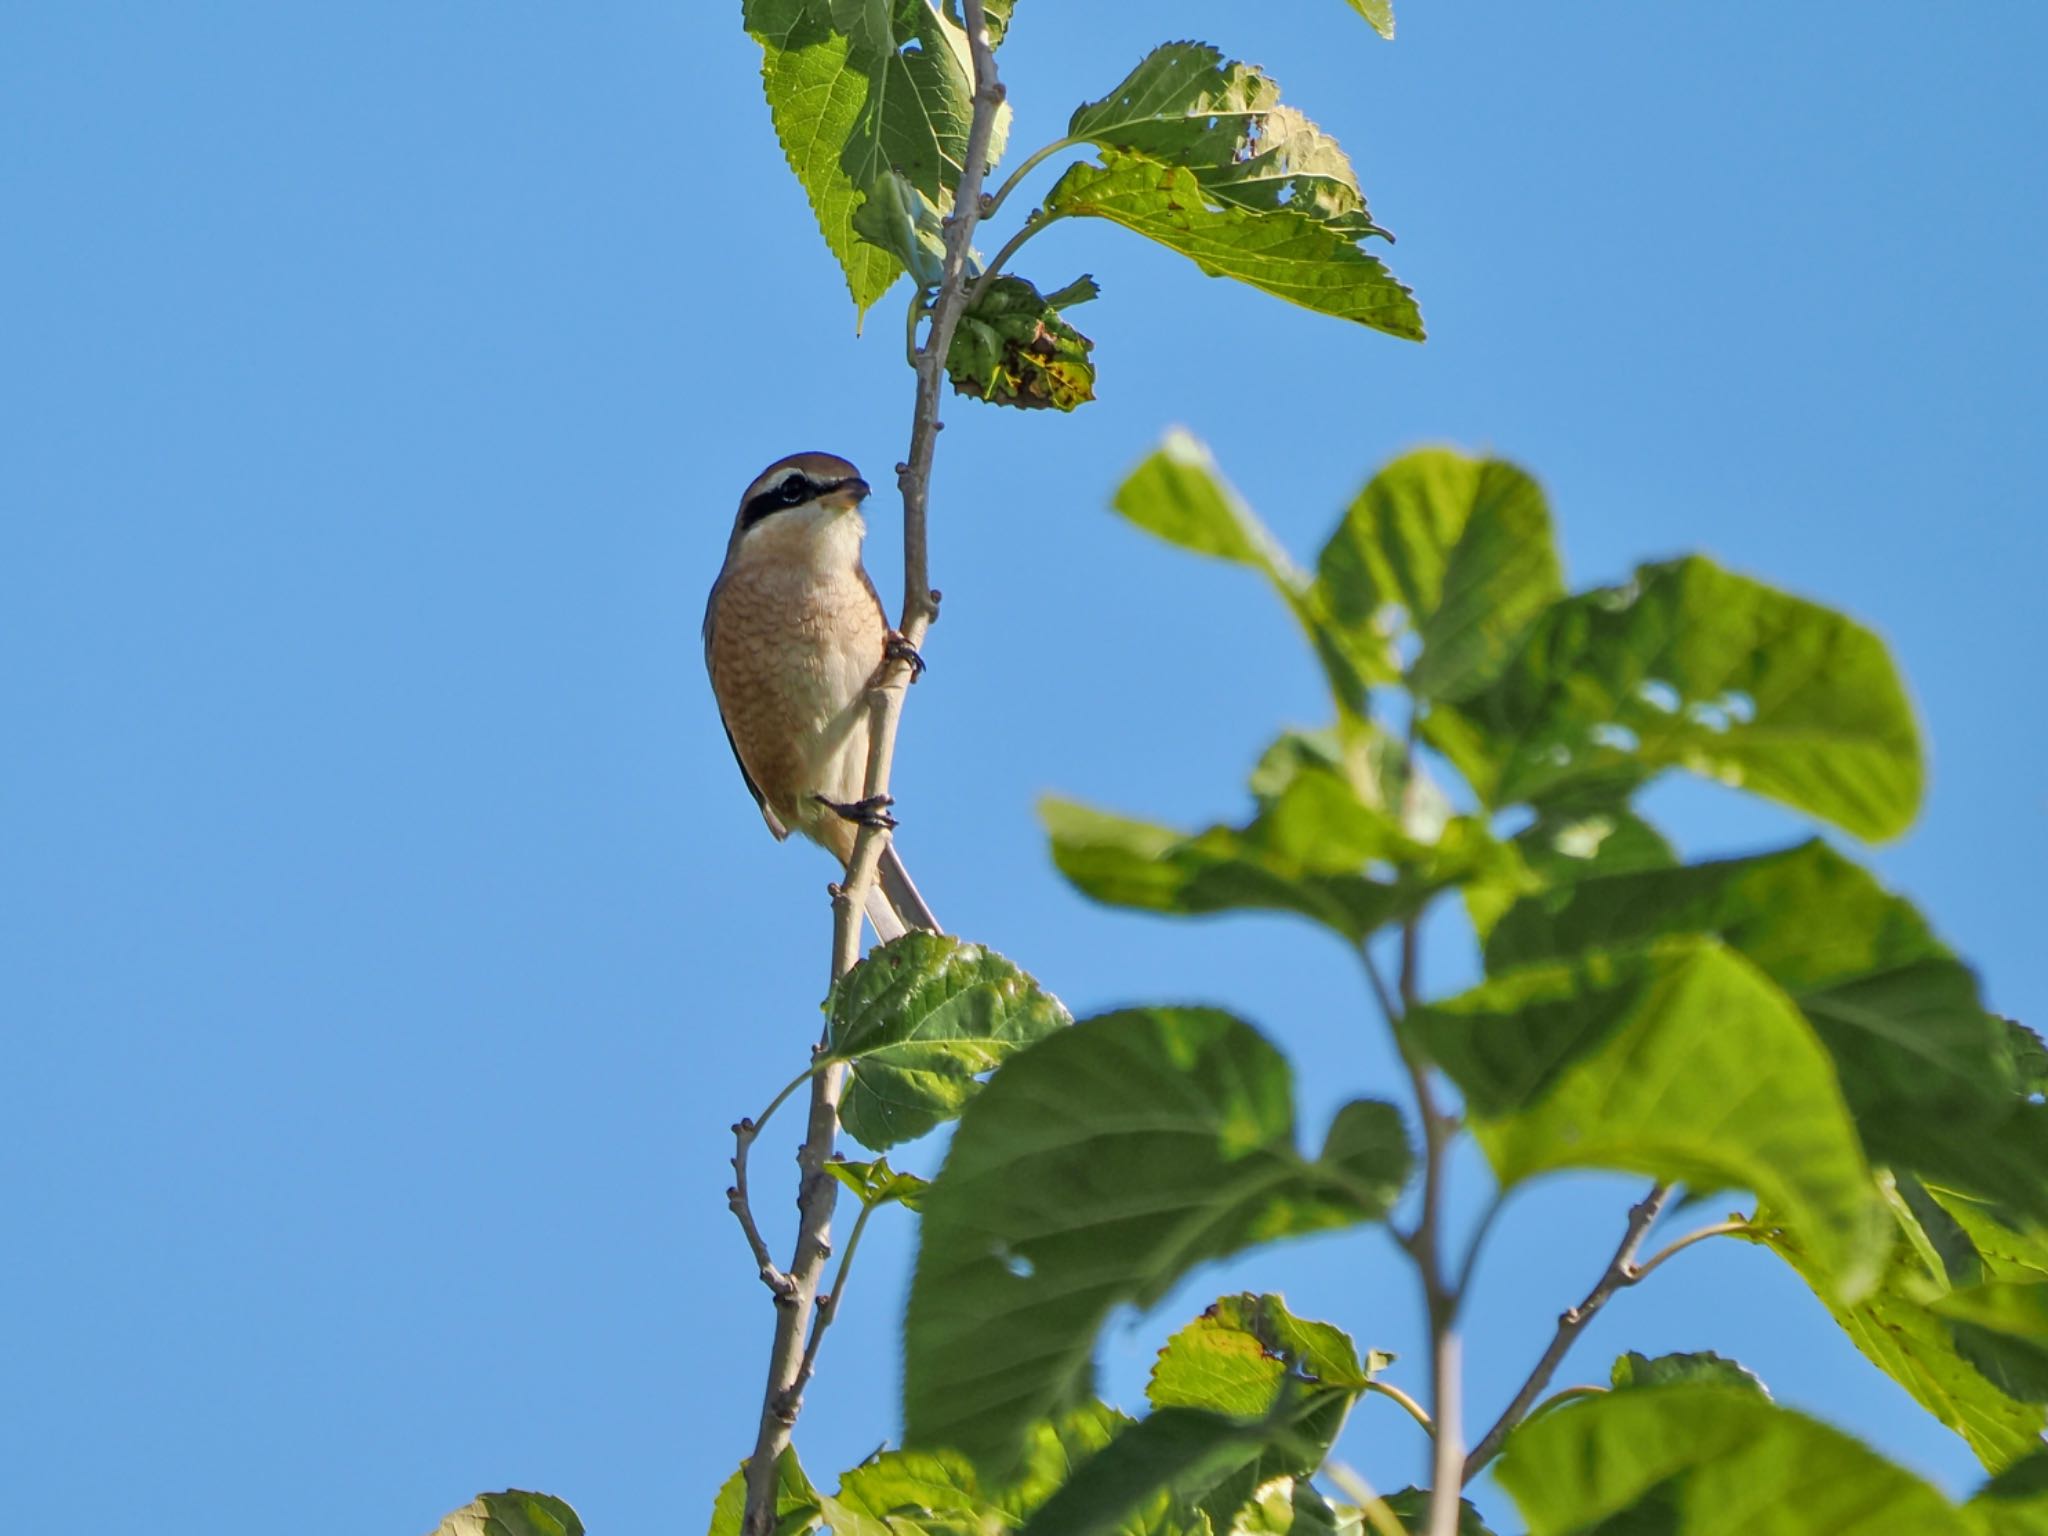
(793, 1354)
(828, 1309)
(1415, 1410)
(744, 1134)
(1620, 1273)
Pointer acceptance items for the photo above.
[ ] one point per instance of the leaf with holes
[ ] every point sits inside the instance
(1698, 1459)
(1681, 1061)
(1186, 105)
(1690, 666)
(1291, 255)
(1014, 347)
(918, 1022)
(1097, 1168)
(1460, 548)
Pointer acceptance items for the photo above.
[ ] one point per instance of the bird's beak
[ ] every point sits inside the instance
(847, 494)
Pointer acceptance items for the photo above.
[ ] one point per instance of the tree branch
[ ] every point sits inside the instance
(792, 1358)
(1620, 1273)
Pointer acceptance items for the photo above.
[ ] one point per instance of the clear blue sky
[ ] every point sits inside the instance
(386, 940)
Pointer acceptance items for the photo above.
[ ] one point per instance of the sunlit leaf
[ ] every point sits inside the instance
(876, 1183)
(1186, 105)
(1928, 1074)
(858, 90)
(512, 1513)
(797, 1509)
(1698, 1459)
(919, 1020)
(1460, 549)
(1690, 666)
(1379, 14)
(2002, 1328)
(1287, 254)
(908, 1493)
(1635, 1370)
(1683, 1062)
(1096, 1169)
(2015, 1503)
(1896, 1330)
(1411, 1507)
(1171, 1453)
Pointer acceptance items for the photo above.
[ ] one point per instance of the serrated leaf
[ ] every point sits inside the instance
(876, 1183)
(858, 90)
(1926, 1071)
(1290, 255)
(514, 1512)
(908, 1493)
(1186, 105)
(1013, 347)
(1100, 1166)
(1897, 1332)
(797, 1506)
(918, 1021)
(1379, 14)
(1690, 666)
(1682, 1061)
(1461, 548)
(1693, 1460)
(1634, 1370)
(1249, 1358)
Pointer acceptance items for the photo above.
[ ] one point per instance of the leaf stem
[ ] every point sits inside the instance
(1415, 1410)
(792, 1356)
(1037, 220)
(1621, 1272)
(1025, 167)
(1719, 1229)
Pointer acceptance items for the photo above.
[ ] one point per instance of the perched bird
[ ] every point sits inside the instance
(793, 635)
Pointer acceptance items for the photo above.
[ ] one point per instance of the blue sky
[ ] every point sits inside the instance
(386, 940)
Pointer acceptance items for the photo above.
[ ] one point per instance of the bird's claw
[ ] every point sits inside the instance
(897, 648)
(871, 812)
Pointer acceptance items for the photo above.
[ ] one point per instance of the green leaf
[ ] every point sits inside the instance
(2030, 1058)
(918, 1021)
(1055, 1449)
(1096, 1169)
(797, 1506)
(1185, 105)
(1290, 1506)
(1682, 1061)
(1379, 14)
(1013, 347)
(901, 220)
(858, 90)
(908, 1493)
(1179, 494)
(512, 1513)
(2002, 1328)
(1411, 1508)
(1290, 255)
(1634, 1370)
(2015, 1502)
(877, 1183)
(1895, 1329)
(1689, 666)
(1462, 547)
(1172, 1453)
(1926, 1071)
(1249, 1358)
(1698, 1459)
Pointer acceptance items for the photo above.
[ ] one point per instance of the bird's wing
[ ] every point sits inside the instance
(710, 619)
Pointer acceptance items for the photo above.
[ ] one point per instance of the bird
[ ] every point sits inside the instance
(794, 633)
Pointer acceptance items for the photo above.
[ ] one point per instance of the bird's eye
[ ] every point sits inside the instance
(793, 489)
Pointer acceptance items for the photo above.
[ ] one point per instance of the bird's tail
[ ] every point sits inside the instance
(894, 905)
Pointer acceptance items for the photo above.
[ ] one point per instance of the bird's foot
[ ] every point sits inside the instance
(871, 812)
(896, 648)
